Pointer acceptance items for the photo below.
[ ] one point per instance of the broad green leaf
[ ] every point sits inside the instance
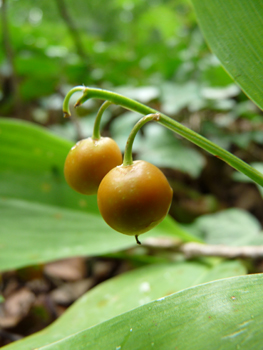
(42, 219)
(31, 167)
(32, 233)
(125, 292)
(233, 227)
(233, 30)
(225, 314)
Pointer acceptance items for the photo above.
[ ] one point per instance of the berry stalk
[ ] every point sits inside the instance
(127, 159)
(96, 128)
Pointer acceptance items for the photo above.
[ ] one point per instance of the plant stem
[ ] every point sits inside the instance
(96, 128)
(66, 110)
(171, 124)
(127, 159)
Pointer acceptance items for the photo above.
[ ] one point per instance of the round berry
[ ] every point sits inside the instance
(89, 161)
(135, 198)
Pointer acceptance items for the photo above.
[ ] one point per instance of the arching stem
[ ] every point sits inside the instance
(169, 123)
(127, 159)
(66, 111)
(96, 128)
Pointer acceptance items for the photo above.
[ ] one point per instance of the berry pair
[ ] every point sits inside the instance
(132, 198)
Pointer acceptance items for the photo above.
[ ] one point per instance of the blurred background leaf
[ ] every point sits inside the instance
(232, 227)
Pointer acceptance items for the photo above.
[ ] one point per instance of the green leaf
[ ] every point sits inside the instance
(232, 227)
(32, 233)
(31, 167)
(233, 30)
(225, 314)
(125, 292)
(42, 219)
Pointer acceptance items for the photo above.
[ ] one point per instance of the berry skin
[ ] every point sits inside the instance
(89, 161)
(135, 198)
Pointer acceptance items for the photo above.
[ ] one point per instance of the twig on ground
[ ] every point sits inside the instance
(193, 249)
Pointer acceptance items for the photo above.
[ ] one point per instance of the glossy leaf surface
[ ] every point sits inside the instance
(225, 314)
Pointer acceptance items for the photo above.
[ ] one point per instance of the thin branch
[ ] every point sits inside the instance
(10, 57)
(192, 249)
(71, 27)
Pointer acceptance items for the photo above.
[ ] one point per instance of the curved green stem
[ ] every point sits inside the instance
(127, 159)
(66, 110)
(96, 128)
(171, 124)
